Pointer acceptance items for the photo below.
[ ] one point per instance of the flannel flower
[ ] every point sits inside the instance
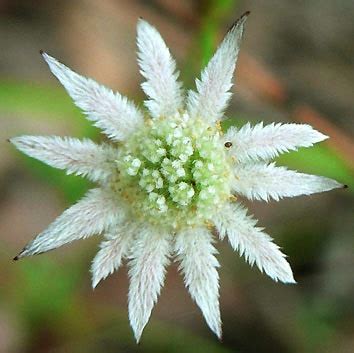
(167, 184)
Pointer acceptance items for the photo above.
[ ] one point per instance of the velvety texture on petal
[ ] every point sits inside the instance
(256, 246)
(159, 69)
(195, 252)
(149, 258)
(93, 214)
(85, 158)
(266, 181)
(266, 142)
(113, 249)
(111, 112)
(213, 88)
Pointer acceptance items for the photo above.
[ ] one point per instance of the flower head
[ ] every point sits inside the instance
(167, 183)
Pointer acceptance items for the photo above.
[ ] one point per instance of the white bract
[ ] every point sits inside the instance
(168, 182)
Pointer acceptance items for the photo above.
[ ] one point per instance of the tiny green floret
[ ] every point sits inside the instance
(175, 170)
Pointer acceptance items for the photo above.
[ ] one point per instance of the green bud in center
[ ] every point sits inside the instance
(175, 171)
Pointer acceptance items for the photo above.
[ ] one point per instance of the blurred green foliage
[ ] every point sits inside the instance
(37, 278)
(320, 160)
(46, 103)
(214, 13)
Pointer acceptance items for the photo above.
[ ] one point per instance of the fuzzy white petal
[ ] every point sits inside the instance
(149, 258)
(93, 214)
(85, 158)
(213, 89)
(113, 249)
(266, 142)
(195, 251)
(111, 112)
(266, 181)
(250, 241)
(159, 69)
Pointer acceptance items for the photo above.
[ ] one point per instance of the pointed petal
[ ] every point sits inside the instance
(93, 214)
(250, 241)
(198, 264)
(267, 142)
(213, 89)
(159, 69)
(149, 257)
(111, 112)
(113, 249)
(85, 158)
(266, 181)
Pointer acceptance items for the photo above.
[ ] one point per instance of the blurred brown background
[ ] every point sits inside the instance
(297, 64)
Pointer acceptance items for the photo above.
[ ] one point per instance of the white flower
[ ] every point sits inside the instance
(168, 181)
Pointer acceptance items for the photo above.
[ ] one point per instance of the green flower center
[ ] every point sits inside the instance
(174, 171)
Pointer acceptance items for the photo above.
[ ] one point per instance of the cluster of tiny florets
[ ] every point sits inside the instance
(175, 169)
